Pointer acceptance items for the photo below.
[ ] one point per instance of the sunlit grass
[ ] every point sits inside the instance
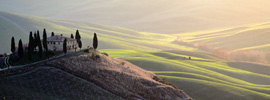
(215, 74)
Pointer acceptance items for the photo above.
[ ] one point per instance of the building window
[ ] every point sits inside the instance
(54, 43)
(59, 43)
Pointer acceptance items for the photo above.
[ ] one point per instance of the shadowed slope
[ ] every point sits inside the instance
(50, 83)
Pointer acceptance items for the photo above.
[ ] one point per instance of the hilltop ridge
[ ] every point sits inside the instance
(119, 78)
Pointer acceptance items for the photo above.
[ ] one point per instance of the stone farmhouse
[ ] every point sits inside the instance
(55, 43)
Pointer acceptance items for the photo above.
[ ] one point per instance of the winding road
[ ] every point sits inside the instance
(6, 61)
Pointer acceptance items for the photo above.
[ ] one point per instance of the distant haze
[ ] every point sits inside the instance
(160, 16)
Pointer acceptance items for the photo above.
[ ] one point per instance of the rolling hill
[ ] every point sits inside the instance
(245, 37)
(204, 77)
(81, 77)
(160, 16)
(232, 39)
(110, 37)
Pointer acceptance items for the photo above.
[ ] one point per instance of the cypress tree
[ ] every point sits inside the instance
(20, 49)
(71, 36)
(80, 44)
(30, 46)
(65, 46)
(95, 41)
(78, 36)
(45, 45)
(13, 48)
(35, 41)
(52, 34)
(39, 45)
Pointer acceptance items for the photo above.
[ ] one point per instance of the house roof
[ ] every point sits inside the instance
(59, 38)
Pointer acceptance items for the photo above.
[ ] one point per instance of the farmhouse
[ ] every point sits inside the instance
(55, 43)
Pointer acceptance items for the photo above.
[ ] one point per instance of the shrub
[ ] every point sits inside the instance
(87, 51)
(156, 78)
(51, 53)
(123, 63)
(95, 57)
(105, 54)
(91, 48)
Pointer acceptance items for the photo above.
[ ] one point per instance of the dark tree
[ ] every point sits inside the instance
(95, 41)
(38, 36)
(39, 45)
(65, 46)
(35, 41)
(52, 34)
(30, 46)
(35, 35)
(80, 44)
(45, 45)
(78, 36)
(20, 49)
(71, 36)
(13, 48)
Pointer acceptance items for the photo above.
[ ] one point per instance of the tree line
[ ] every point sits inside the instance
(35, 42)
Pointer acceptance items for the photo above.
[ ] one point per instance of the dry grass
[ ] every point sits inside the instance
(125, 80)
(44, 83)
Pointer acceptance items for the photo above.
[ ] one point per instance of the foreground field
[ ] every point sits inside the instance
(203, 77)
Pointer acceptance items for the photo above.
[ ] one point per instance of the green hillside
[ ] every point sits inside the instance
(110, 37)
(247, 37)
(205, 77)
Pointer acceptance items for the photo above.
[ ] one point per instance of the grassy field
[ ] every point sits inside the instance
(203, 77)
